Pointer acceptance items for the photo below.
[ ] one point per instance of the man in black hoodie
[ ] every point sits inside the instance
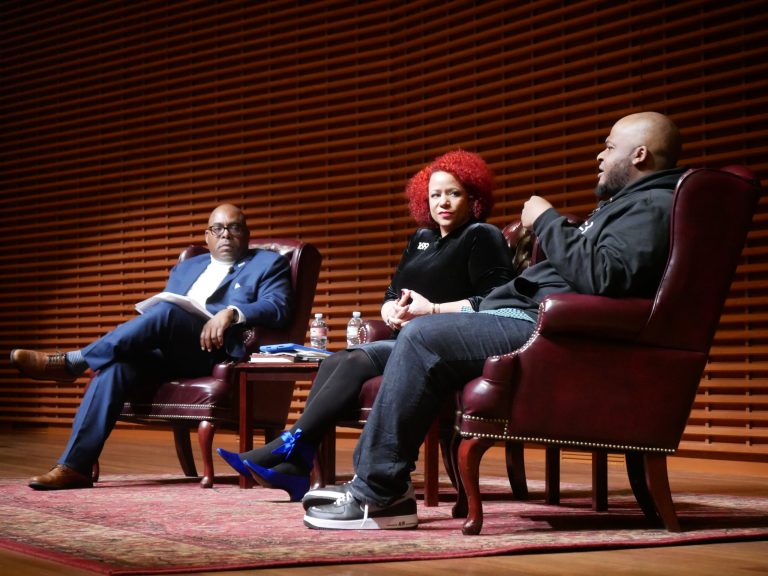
(620, 250)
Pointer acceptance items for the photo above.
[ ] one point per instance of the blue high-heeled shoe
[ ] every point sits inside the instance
(234, 460)
(296, 486)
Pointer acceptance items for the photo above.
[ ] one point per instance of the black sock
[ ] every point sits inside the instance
(263, 456)
(75, 362)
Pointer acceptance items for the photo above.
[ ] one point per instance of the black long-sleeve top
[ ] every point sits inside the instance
(466, 263)
(620, 250)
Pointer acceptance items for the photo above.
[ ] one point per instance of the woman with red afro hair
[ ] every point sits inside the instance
(450, 263)
(469, 170)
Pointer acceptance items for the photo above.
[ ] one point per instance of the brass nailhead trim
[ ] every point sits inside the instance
(155, 405)
(172, 417)
(505, 437)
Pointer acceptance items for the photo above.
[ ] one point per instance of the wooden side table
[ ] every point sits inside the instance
(254, 376)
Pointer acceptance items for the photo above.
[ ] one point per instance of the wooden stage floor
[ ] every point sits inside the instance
(28, 451)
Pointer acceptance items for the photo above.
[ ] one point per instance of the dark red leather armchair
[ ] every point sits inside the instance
(211, 402)
(618, 375)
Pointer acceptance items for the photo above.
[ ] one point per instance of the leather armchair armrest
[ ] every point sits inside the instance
(577, 315)
(373, 330)
(221, 371)
(489, 394)
(594, 316)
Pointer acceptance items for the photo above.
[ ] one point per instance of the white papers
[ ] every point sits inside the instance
(187, 303)
(273, 358)
(288, 357)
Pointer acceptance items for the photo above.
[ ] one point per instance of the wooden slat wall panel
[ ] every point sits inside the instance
(123, 124)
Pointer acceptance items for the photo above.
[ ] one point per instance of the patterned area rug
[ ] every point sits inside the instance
(146, 525)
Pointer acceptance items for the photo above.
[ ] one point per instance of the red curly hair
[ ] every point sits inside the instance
(469, 169)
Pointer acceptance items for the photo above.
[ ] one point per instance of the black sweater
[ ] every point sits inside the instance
(465, 264)
(620, 250)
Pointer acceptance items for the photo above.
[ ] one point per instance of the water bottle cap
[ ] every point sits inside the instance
(318, 315)
(356, 314)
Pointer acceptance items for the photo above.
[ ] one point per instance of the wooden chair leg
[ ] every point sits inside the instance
(471, 451)
(636, 472)
(515, 456)
(451, 449)
(205, 432)
(599, 480)
(657, 480)
(431, 458)
(184, 450)
(552, 474)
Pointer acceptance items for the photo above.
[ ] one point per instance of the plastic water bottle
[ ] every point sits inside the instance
(353, 329)
(318, 333)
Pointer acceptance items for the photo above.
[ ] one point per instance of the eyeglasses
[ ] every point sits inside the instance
(233, 229)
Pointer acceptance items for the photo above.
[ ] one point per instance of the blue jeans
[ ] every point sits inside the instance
(434, 356)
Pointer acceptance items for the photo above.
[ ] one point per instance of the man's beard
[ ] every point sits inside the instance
(614, 180)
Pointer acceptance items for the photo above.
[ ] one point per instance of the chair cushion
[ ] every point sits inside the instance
(206, 398)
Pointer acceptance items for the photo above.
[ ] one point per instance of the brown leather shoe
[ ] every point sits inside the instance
(60, 478)
(41, 365)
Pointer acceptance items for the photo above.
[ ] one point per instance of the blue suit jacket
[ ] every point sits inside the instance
(259, 284)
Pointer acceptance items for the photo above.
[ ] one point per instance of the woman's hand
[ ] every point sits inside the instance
(398, 314)
(402, 311)
(419, 306)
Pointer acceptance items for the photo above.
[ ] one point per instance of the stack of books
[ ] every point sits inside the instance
(289, 353)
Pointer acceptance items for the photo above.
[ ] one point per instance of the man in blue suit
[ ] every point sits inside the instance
(237, 286)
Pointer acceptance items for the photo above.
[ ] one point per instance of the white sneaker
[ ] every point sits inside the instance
(347, 513)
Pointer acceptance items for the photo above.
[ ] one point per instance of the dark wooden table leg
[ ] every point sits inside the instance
(431, 467)
(599, 480)
(246, 423)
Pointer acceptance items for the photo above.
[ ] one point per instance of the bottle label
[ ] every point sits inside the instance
(318, 332)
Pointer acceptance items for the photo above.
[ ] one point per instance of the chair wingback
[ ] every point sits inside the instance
(521, 244)
(305, 262)
(711, 216)
(191, 251)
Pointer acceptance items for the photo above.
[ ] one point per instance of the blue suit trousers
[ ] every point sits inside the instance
(161, 343)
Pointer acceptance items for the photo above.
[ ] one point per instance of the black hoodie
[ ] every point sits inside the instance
(620, 250)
